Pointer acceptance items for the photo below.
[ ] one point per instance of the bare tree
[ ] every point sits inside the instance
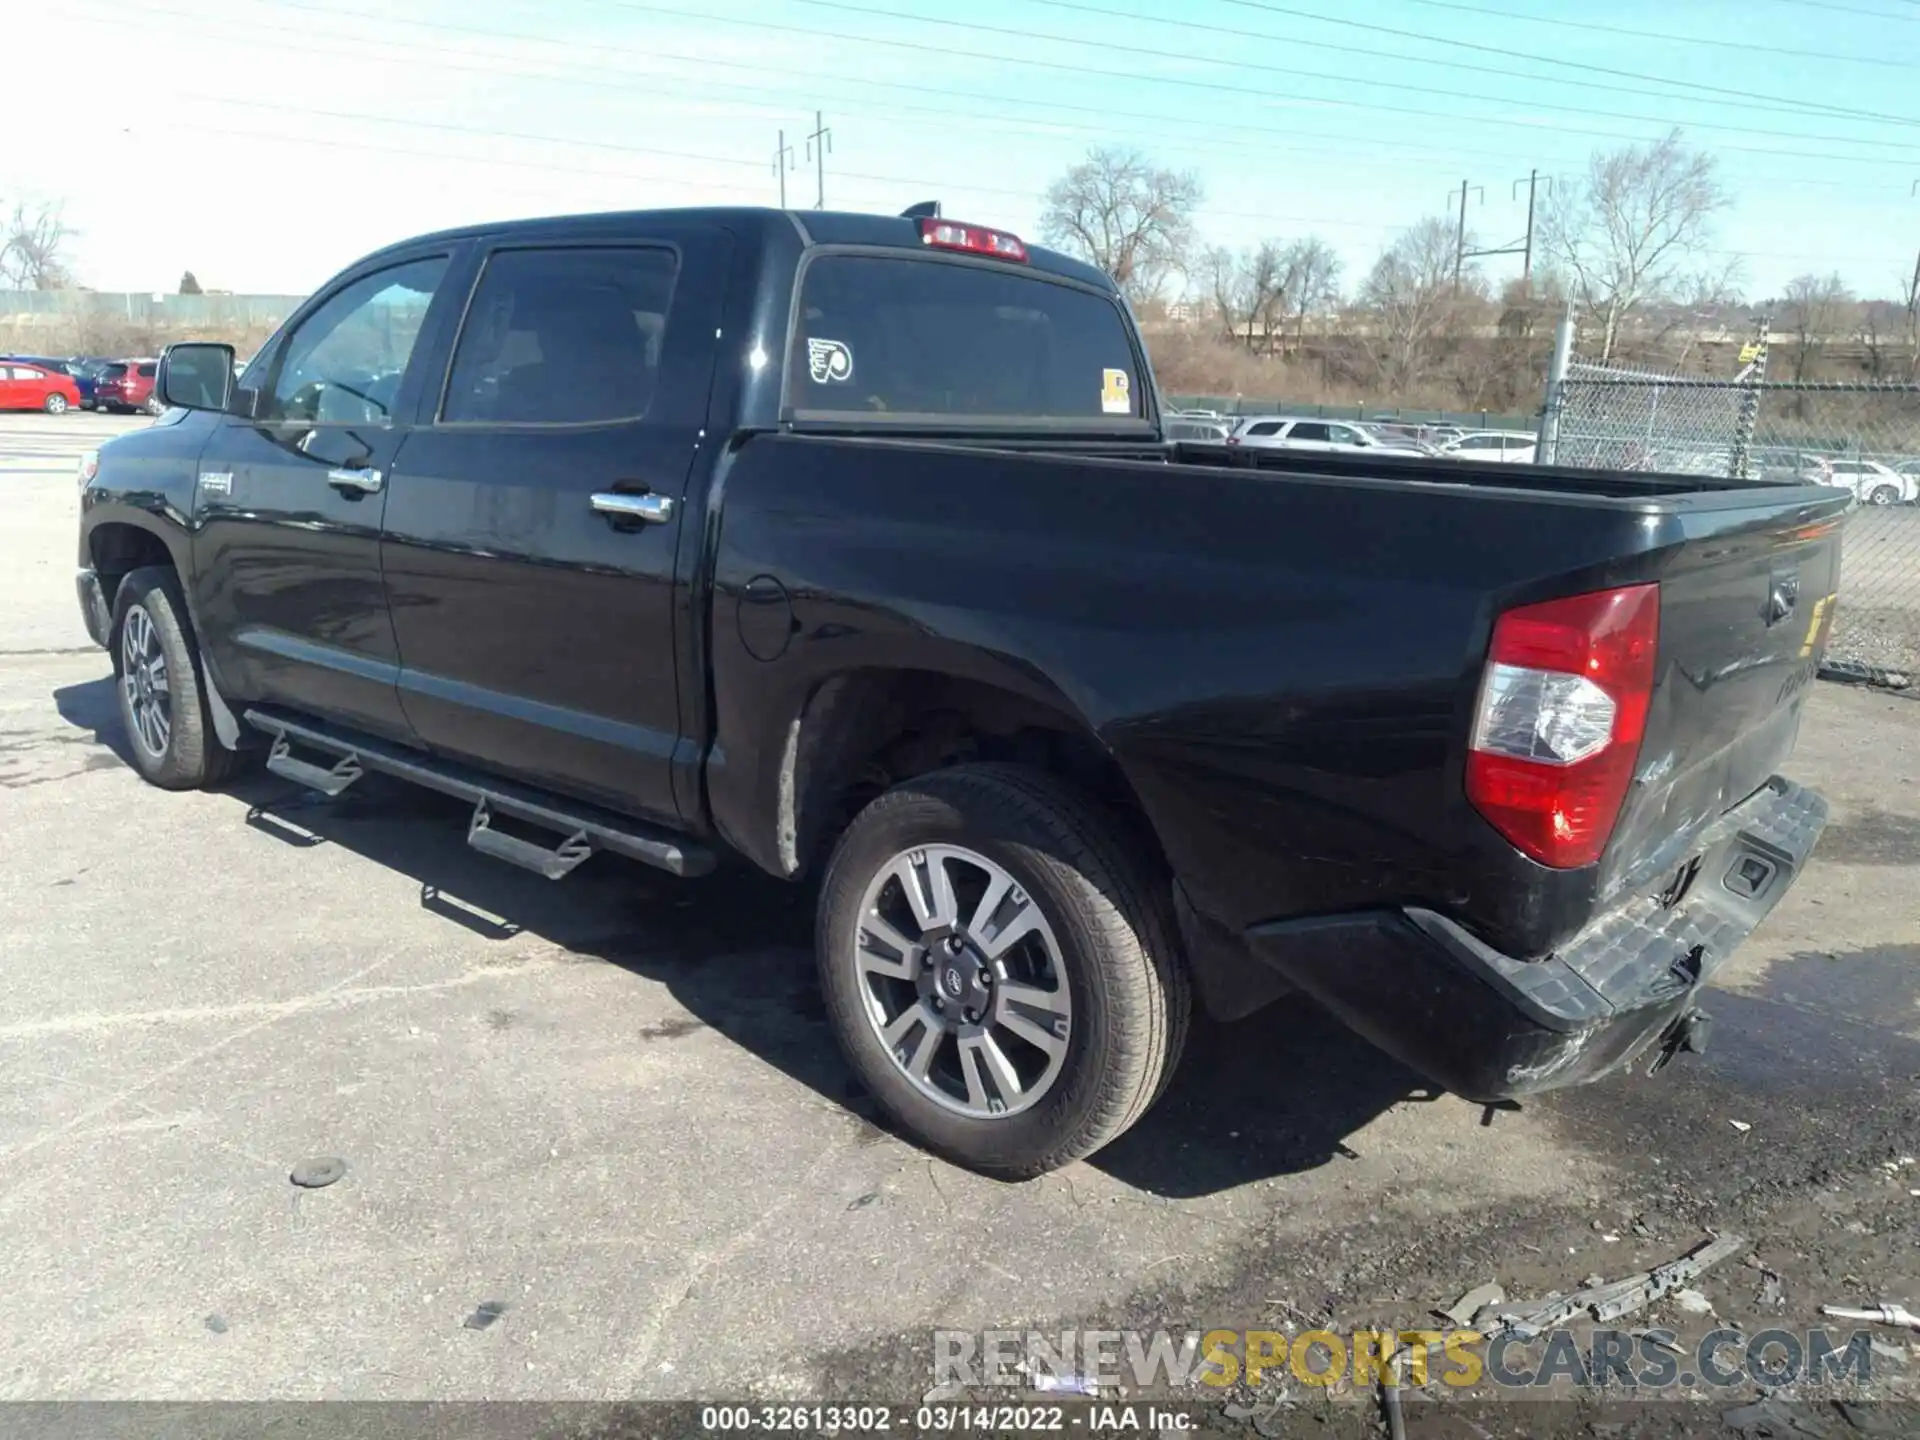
(1813, 308)
(1875, 323)
(33, 246)
(1313, 282)
(1411, 297)
(189, 283)
(1625, 231)
(1249, 291)
(1132, 219)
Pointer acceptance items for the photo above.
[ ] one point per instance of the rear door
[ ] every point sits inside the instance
(290, 499)
(12, 390)
(1309, 435)
(531, 531)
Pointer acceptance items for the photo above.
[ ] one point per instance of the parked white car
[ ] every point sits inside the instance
(1871, 482)
(1288, 432)
(1505, 447)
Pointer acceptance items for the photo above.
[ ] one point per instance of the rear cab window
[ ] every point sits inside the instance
(928, 340)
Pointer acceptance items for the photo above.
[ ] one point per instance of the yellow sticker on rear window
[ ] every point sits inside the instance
(1116, 392)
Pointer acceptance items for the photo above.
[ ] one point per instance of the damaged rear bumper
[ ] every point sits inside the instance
(1490, 1027)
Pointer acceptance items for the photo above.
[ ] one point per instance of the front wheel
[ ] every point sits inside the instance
(1883, 495)
(161, 705)
(999, 966)
(55, 404)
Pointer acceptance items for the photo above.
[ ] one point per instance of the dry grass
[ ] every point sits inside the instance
(108, 336)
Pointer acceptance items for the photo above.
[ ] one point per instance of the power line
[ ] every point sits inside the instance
(1645, 35)
(1426, 39)
(305, 44)
(917, 183)
(1506, 72)
(1292, 71)
(1847, 9)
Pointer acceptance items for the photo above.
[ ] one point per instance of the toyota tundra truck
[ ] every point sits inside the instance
(850, 547)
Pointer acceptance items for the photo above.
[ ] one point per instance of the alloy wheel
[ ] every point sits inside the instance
(963, 981)
(144, 682)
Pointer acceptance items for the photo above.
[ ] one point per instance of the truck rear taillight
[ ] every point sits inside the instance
(1563, 706)
(974, 239)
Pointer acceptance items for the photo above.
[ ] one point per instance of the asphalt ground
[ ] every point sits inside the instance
(610, 1107)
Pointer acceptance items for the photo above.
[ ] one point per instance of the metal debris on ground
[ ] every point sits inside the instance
(1772, 1294)
(1068, 1384)
(1883, 1314)
(1693, 1302)
(1740, 1125)
(1891, 1352)
(318, 1173)
(488, 1312)
(1462, 1311)
(1390, 1395)
(1610, 1301)
(1855, 672)
(1664, 1339)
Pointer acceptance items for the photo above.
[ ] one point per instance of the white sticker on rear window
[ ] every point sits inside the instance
(1116, 392)
(829, 361)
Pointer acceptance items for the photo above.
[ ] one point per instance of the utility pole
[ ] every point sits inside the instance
(782, 163)
(819, 143)
(1525, 248)
(1526, 263)
(1460, 237)
(1460, 240)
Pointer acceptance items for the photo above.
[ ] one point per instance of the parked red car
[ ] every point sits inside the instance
(28, 387)
(127, 385)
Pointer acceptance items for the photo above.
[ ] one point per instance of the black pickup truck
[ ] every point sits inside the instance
(850, 546)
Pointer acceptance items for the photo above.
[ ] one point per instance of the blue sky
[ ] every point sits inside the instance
(265, 143)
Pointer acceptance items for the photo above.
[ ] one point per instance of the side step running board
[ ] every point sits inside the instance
(554, 863)
(345, 771)
(585, 828)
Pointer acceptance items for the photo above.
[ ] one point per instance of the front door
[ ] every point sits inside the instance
(531, 533)
(290, 499)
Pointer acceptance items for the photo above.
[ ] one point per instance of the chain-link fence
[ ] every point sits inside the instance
(1863, 438)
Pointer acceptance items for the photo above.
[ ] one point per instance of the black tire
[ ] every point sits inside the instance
(1109, 908)
(55, 404)
(188, 754)
(1883, 495)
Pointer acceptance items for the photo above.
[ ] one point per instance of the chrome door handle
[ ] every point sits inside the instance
(647, 509)
(366, 482)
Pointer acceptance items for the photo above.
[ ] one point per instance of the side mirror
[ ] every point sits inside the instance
(195, 376)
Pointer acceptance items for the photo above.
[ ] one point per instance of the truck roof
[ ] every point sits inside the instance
(815, 227)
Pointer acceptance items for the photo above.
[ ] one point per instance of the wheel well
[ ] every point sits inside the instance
(863, 732)
(119, 549)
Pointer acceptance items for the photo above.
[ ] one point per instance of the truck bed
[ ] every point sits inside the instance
(1283, 652)
(1429, 470)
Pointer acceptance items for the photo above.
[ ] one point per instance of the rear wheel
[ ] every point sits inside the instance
(998, 962)
(56, 404)
(1883, 495)
(161, 704)
(153, 405)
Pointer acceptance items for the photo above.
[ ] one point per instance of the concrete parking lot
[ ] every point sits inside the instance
(611, 1105)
